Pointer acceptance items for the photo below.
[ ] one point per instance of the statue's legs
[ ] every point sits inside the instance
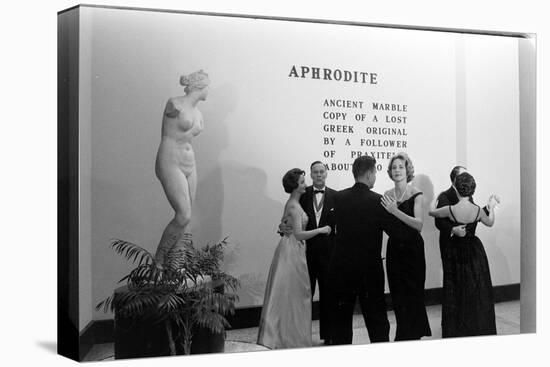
(192, 180)
(178, 192)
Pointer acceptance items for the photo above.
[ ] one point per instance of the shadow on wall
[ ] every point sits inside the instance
(430, 233)
(206, 222)
(491, 238)
(252, 285)
(251, 219)
(252, 289)
(231, 201)
(121, 211)
(496, 258)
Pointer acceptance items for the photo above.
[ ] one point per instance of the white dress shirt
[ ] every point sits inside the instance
(318, 203)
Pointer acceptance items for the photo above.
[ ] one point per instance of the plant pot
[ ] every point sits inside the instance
(143, 337)
(135, 338)
(138, 338)
(205, 341)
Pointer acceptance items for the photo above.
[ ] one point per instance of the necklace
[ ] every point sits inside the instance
(402, 196)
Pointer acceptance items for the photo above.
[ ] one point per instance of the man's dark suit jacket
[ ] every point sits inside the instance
(306, 201)
(356, 261)
(319, 248)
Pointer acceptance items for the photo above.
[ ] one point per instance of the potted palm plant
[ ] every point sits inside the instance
(168, 306)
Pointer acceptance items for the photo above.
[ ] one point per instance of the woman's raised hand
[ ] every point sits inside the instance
(493, 201)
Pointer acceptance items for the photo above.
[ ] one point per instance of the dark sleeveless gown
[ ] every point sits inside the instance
(468, 302)
(406, 269)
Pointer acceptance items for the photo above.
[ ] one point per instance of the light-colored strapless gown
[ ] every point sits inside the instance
(286, 313)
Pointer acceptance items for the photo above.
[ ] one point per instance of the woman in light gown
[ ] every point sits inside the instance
(286, 314)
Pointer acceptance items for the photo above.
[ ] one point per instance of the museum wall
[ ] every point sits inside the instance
(443, 98)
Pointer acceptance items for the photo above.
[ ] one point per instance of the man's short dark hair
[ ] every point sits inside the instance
(454, 172)
(314, 163)
(363, 164)
(291, 179)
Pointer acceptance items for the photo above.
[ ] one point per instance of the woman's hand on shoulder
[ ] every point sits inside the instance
(389, 203)
(285, 227)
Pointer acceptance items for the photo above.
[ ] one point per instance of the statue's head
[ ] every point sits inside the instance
(197, 80)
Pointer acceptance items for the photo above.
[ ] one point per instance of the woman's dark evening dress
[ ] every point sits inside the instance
(406, 268)
(468, 305)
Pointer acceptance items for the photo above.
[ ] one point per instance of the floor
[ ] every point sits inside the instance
(244, 340)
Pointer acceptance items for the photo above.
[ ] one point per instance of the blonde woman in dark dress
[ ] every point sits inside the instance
(405, 261)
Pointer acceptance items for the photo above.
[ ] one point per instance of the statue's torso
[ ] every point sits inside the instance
(180, 123)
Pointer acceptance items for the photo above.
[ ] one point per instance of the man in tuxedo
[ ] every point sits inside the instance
(446, 227)
(356, 270)
(317, 202)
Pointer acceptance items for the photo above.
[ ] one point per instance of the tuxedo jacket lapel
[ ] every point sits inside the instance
(307, 205)
(327, 205)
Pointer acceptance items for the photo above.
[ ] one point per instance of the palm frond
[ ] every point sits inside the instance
(181, 255)
(171, 302)
(175, 289)
(105, 304)
(213, 321)
(178, 240)
(228, 281)
(132, 252)
(136, 303)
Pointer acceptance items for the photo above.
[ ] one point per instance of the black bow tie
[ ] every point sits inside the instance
(318, 191)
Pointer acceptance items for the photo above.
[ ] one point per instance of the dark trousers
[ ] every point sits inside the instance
(373, 308)
(317, 264)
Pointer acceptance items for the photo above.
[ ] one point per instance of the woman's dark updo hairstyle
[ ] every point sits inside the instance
(465, 184)
(291, 179)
